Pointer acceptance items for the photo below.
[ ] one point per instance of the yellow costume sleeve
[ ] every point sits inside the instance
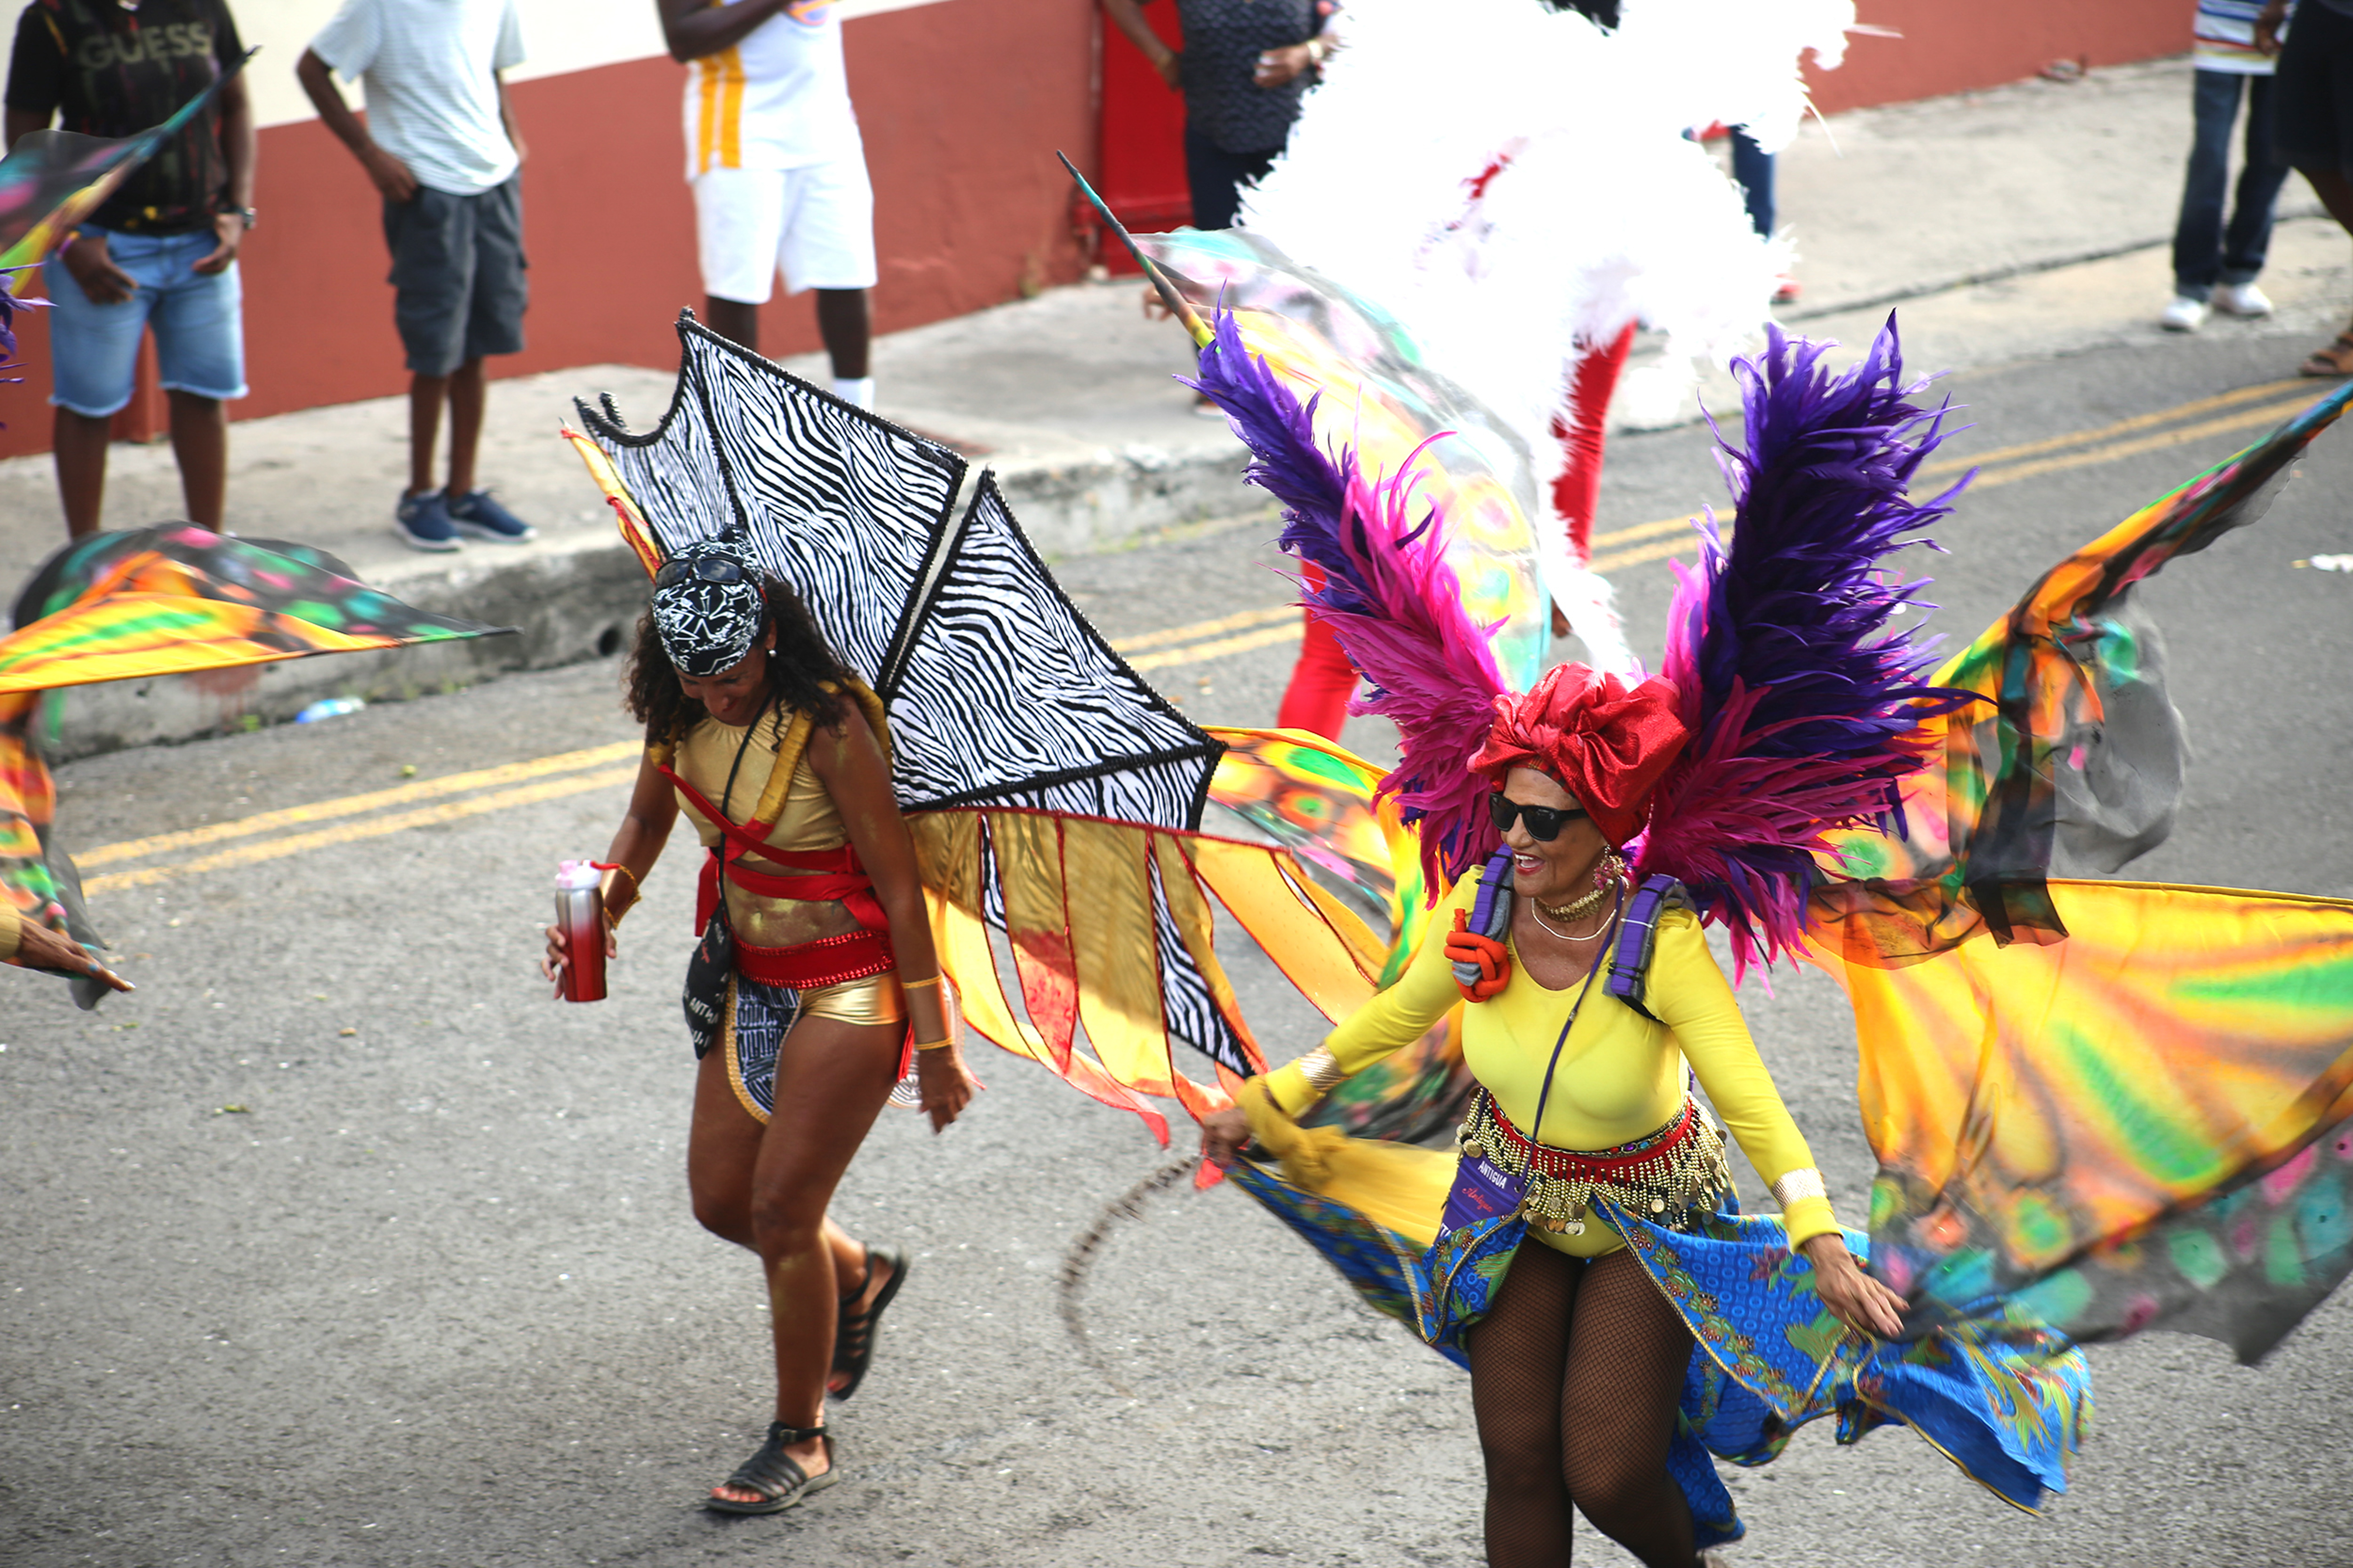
(1392, 1020)
(10, 922)
(1691, 996)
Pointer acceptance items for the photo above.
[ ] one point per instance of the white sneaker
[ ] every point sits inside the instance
(2241, 299)
(2184, 315)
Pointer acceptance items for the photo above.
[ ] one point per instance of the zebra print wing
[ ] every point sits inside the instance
(1054, 796)
(1007, 697)
(846, 508)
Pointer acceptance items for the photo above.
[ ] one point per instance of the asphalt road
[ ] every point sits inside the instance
(339, 1243)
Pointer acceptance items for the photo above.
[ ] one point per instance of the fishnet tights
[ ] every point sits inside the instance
(1575, 1378)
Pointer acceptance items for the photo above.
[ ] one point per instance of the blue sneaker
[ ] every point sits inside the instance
(480, 517)
(424, 522)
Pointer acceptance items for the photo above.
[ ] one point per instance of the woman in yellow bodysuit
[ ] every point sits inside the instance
(778, 756)
(1577, 1366)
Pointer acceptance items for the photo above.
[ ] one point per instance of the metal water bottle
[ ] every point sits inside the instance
(580, 915)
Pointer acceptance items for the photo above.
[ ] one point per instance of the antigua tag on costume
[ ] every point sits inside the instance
(1482, 1190)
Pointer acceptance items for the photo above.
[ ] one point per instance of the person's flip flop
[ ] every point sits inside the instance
(775, 1475)
(854, 1334)
(2334, 360)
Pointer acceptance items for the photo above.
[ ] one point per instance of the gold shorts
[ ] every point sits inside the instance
(756, 1022)
(876, 999)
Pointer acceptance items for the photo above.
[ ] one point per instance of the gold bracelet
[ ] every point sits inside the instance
(613, 916)
(1321, 1070)
(939, 1045)
(1796, 1186)
(906, 984)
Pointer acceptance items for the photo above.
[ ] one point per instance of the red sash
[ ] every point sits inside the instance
(833, 875)
(812, 966)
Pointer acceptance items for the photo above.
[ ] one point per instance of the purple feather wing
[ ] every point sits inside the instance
(1379, 579)
(1802, 696)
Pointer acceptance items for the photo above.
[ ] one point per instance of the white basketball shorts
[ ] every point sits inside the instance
(814, 224)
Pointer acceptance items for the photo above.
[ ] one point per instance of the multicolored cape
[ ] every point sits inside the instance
(2122, 1104)
(172, 600)
(51, 180)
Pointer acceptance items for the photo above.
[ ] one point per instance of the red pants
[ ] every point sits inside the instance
(1323, 681)
(1581, 429)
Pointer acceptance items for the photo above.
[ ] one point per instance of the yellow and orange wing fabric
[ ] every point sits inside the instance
(2125, 1102)
(1318, 800)
(2142, 1126)
(179, 599)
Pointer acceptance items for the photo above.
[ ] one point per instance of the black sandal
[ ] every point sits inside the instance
(854, 1333)
(775, 1475)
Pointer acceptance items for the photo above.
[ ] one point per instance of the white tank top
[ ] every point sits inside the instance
(778, 99)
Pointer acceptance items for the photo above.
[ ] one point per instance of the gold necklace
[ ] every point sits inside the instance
(1569, 911)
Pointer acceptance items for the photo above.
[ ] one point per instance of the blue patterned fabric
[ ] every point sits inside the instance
(1999, 1394)
(759, 1017)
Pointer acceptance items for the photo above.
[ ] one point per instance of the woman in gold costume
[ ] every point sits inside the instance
(815, 978)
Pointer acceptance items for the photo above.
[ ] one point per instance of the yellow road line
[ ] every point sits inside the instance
(2108, 432)
(1197, 653)
(2111, 451)
(351, 832)
(1666, 525)
(2269, 414)
(351, 805)
(1672, 547)
(1233, 623)
(1266, 626)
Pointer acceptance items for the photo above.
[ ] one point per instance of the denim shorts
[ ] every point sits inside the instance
(198, 322)
(459, 290)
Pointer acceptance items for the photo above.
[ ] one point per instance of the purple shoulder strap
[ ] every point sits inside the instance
(1491, 910)
(1630, 964)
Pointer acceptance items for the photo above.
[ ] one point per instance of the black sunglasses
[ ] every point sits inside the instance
(1544, 822)
(706, 568)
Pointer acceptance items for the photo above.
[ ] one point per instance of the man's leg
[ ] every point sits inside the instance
(739, 225)
(200, 445)
(733, 319)
(1752, 170)
(2197, 229)
(426, 393)
(93, 359)
(80, 449)
(843, 321)
(2247, 244)
(198, 321)
(466, 395)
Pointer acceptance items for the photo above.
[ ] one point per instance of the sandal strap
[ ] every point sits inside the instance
(865, 1279)
(771, 1472)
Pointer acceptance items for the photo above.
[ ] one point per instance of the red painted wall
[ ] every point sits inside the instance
(962, 106)
(1950, 46)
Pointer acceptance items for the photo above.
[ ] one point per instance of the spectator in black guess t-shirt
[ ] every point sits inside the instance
(161, 254)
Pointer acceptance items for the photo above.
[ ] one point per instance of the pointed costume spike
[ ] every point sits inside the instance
(1176, 302)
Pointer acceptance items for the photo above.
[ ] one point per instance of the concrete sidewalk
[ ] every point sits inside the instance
(2012, 225)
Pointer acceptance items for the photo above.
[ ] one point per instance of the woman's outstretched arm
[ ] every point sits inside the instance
(849, 763)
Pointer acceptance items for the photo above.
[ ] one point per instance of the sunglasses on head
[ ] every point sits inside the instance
(1544, 822)
(703, 568)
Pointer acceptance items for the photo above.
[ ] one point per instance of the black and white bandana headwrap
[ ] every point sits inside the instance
(708, 628)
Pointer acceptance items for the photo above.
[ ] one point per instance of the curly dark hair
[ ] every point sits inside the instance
(798, 671)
